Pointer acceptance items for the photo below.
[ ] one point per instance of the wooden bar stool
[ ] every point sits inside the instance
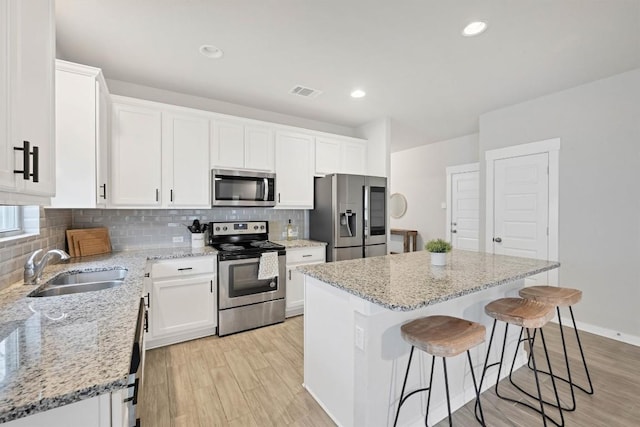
(441, 336)
(526, 314)
(561, 297)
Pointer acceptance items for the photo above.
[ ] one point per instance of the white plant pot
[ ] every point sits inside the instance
(197, 240)
(438, 258)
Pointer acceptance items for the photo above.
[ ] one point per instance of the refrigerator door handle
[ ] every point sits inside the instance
(367, 191)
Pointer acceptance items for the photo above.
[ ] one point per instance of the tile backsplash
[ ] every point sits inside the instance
(14, 253)
(154, 228)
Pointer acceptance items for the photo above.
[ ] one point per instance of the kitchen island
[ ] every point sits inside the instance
(354, 356)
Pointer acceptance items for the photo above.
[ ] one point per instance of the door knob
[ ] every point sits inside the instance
(497, 239)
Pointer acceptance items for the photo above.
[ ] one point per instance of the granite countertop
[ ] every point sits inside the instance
(299, 243)
(408, 281)
(62, 349)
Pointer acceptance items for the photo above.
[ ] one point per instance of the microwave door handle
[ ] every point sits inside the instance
(367, 189)
(266, 189)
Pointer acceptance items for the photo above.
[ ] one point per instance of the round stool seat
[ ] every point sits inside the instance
(560, 297)
(521, 312)
(443, 336)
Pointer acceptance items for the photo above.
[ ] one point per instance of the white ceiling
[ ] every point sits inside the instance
(408, 55)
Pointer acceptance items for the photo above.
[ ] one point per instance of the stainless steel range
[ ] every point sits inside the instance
(246, 301)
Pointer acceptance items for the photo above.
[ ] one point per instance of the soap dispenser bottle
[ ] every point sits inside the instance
(289, 231)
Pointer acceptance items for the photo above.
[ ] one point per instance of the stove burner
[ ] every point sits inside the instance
(265, 244)
(231, 247)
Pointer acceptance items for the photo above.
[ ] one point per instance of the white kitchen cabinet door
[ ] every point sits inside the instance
(26, 100)
(36, 96)
(295, 280)
(182, 305)
(9, 137)
(328, 156)
(354, 157)
(227, 144)
(185, 141)
(82, 108)
(259, 148)
(295, 166)
(136, 153)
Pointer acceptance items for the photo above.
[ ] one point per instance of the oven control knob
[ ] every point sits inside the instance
(224, 228)
(217, 228)
(262, 227)
(255, 227)
(272, 284)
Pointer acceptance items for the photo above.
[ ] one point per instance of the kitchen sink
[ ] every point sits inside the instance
(80, 277)
(81, 281)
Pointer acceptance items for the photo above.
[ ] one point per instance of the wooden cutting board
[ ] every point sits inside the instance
(88, 241)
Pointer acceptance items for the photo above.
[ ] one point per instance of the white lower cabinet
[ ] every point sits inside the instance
(295, 280)
(181, 298)
(106, 410)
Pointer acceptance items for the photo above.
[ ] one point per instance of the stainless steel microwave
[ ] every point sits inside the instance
(242, 188)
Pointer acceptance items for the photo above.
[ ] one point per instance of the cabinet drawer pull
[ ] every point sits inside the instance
(171, 195)
(306, 256)
(157, 194)
(146, 321)
(185, 268)
(36, 164)
(26, 174)
(289, 274)
(104, 191)
(211, 286)
(148, 297)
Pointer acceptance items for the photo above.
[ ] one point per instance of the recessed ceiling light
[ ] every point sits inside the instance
(211, 51)
(474, 28)
(358, 93)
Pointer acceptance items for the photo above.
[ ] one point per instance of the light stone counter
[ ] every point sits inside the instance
(63, 349)
(299, 243)
(409, 281)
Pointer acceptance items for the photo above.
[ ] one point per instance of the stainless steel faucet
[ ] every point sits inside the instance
(33, 269)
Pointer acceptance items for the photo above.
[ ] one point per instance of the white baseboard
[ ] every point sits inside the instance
(603, 332)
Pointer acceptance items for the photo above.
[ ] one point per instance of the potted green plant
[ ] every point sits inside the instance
(438, 249)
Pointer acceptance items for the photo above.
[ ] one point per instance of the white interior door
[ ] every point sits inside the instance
(521, 208)
(465, 210)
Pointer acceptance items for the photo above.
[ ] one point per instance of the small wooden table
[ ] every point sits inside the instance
(409, 236)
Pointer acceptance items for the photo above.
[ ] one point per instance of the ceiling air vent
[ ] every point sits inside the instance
(305, 92)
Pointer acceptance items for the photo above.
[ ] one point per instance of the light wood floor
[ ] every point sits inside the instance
(254, 379)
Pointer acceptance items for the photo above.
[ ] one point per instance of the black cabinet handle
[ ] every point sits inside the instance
(36, 164)
(157, 194)
(26, 174)
(211, 285)
(104, 191)
(185, 268)
(289, 274)
(148, 297)
(146, 321)
(306, 256)
(136, 386)
(171, 195)
(278, 197)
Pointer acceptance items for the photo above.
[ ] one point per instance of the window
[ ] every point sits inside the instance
(10, 221)
(16, 221)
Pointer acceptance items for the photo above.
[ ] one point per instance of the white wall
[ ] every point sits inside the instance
(599, 127)
(420, 174)
(117, 87)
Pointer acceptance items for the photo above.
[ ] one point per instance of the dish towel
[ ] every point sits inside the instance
(268, 265)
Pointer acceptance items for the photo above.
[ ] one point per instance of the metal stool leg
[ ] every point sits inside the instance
(475, 386)
(446, 387)
(433, 365)
(584, 362)
(404, 384)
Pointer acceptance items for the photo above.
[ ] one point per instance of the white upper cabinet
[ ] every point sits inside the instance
(27, 38)
(295, 160)
(238, 145)
(136, 153)
(335, 155)
(82, 116)
(159, 155)
(185, 142)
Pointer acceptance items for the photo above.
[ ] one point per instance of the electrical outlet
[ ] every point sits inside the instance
(359, 337)
(178, 239)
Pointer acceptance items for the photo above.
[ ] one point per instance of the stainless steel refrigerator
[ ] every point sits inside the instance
(350, 214)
